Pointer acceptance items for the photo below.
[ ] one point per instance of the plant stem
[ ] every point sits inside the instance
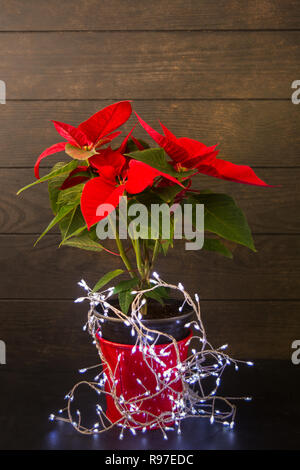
(155, 252)
(122, 251)
(146, 263)
(124, 256)
(139, 262)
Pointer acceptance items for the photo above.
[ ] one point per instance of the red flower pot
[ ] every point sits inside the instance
(131, 373)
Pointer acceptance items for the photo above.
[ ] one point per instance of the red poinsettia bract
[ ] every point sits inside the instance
(90, 134)
(116, 175)
(191, 154)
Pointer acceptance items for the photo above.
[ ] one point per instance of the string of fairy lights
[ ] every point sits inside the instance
(190, 385)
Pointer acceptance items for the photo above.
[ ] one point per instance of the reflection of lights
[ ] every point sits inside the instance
(53, 438)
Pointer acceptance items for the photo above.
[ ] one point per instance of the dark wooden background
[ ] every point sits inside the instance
(219, 71)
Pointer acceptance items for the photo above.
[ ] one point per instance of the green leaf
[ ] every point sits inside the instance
(168, 243)
(107, 278)
(156, 157)
(72, 225)
(147, 198)
(153, 294)
(163, 291)
(126, 285)
(224, 218)
(158, 294)
(93, 233)
(63, 211)
(132, 147)
(63, 170)
(54, 185)
(70, 196)
(168, 193)
(78, 153)
(213, 244)
(125, 299)
(83, 242)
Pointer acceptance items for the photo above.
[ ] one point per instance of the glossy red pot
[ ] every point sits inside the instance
(131, 370)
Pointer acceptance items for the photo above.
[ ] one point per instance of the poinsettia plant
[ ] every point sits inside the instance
(98, 174)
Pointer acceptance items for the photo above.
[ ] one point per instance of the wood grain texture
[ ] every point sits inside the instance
(258, 133)
(141, 15)
(49, 334)
(217, 71)
(172, 65)
(268, 210)
(49, 272)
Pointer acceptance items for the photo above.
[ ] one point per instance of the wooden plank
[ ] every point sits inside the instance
(139, 15)
(32, 338)
(49, 334)
(268, 210)
(152, 65)
(257, 133)
(46, 272)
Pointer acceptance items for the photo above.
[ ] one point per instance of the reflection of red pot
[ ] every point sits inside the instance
(131, 371)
